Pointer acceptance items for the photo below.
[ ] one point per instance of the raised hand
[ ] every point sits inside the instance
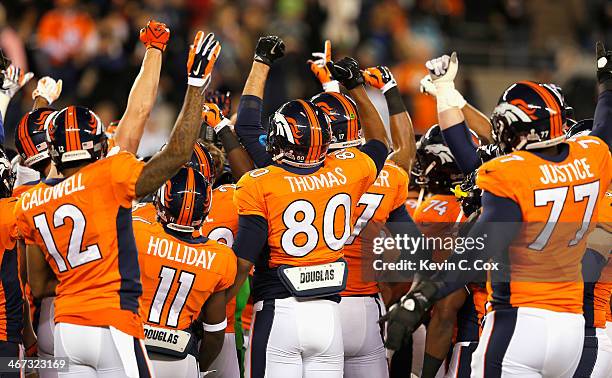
(379, 77)
(347, 72)
(202, 57)
(155, 35)
(269, 49)
(213, 117)
(442, 72)
(318, 66)
(48, 88)
(604, 66)
(14, 79)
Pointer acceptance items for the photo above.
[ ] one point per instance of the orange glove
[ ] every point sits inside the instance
(320, 70)
(379, 77)
(155, 35)
(213, 117)
(202, 57)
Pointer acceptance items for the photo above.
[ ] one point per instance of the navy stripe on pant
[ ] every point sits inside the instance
(261, 333)
(141, 360)
(504, 323)
(589, 354)
(464, 365)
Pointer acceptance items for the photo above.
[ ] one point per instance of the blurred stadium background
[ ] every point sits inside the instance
(93, 47)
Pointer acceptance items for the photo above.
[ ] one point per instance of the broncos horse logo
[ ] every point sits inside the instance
(287, 127)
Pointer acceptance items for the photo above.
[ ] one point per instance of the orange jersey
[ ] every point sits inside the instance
(388, 192)
(411, 205)
(11, 302)
(221, 224)
(83, 224)
(309, 215)
(439, 208)
(179, 274)
(550, 194)
(144, 211)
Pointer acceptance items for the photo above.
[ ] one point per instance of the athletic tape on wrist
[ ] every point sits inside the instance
(332, 86)
(215, 327)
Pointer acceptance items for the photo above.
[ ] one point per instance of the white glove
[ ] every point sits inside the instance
(14, 79)
(442, 71)
(48, 88)
(427, 86)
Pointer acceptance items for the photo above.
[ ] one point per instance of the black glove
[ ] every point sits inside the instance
(269, 49)
(604, 66)
(347, 72)
(404, 317)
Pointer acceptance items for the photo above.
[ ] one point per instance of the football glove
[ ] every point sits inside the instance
(269, 49)
(404, 317)
(604, 66)
(379, 77)
(155, 35)
(318, 66)
(442, 71)
(213, 117)
(427, 86)
(347, 72)
(202, 57)
(14, 79)
(222, 100)
(48, 88)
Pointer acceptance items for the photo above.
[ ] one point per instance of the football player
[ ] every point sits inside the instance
(436, 171)
(301, 206)
(596, 359)
(534, 328)
(184, 278)
(78, 229)
(11, 295)
(361, 305)
(221, 224)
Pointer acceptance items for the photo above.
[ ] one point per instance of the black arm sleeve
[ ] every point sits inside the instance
(500, 221)
(603, 117)
(459, 139)
(399, 215)
(252, 237)
(377, 151)
(250, 130)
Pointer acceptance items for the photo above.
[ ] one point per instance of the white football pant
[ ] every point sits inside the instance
(295, 338)
(529, 342)
(100, 352)
(364, 352)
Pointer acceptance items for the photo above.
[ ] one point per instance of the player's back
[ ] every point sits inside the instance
(221, 224)
(83, 224)
(439, 208)
(388, 192)
(179, 273)
(558, 200)
(11, 302)
(308, 215)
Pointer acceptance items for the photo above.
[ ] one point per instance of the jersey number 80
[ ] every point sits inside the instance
(299, 217)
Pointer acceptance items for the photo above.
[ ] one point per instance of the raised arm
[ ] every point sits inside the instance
(47, 91)
(475, 119)
(203, 53)
(402, 132)
(144, 91)
(450, 117)
(318, 66)
(13, 78)
(248, 123)
(239, 160)
(603, 111)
